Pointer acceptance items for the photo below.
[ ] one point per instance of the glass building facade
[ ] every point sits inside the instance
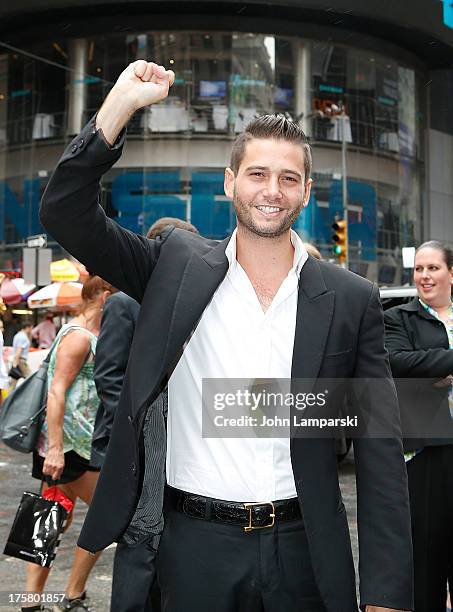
(176, 151)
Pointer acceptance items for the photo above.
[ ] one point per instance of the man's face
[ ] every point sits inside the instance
(269, 189)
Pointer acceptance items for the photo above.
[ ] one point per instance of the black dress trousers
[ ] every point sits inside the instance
(134, 588)
(204, 566)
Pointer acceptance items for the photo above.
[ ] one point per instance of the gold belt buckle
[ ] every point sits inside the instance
(250, 506)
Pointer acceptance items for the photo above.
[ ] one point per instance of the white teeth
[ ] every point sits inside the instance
(268, 209)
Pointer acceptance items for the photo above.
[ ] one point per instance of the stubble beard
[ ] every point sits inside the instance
(245, 219)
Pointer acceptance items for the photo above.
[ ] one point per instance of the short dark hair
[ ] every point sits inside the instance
(443, 247)
(158, 226)
(271, 126)
(26, 323)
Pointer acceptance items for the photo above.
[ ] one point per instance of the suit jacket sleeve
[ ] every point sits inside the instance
(406, 361)
(112, 354)
(385, 545)
(71, 212)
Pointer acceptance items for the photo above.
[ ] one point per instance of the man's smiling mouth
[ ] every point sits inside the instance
(269, 210)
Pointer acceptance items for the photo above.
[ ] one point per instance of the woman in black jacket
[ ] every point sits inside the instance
(419, 338)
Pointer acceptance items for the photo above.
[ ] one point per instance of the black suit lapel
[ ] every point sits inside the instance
(202, 276)
(315, 309)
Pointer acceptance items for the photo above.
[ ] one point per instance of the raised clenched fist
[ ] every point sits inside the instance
(141, 84)
(144, 83)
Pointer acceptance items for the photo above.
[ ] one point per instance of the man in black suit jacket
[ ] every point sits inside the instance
(293, 550)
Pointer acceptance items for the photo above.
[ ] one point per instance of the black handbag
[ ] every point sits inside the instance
(23, 411)
(36, 531)
(15, 372)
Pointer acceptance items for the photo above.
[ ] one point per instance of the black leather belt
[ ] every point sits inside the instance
(250, 516)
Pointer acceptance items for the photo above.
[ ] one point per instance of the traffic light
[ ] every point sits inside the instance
(340, 239)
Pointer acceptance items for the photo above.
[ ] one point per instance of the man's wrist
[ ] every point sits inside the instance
(114, 115)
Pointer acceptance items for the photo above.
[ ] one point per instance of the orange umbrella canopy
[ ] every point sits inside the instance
(56, 295)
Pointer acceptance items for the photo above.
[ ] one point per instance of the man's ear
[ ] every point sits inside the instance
(228, 183)
(308, 185)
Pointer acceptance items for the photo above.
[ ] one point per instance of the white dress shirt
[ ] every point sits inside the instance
(234, 339)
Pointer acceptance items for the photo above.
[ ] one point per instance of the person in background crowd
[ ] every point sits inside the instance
(45, 332)
(4, 379)
(11, 325)
(133, 570)
(21, 347)
(64, 447)
(419, 338)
